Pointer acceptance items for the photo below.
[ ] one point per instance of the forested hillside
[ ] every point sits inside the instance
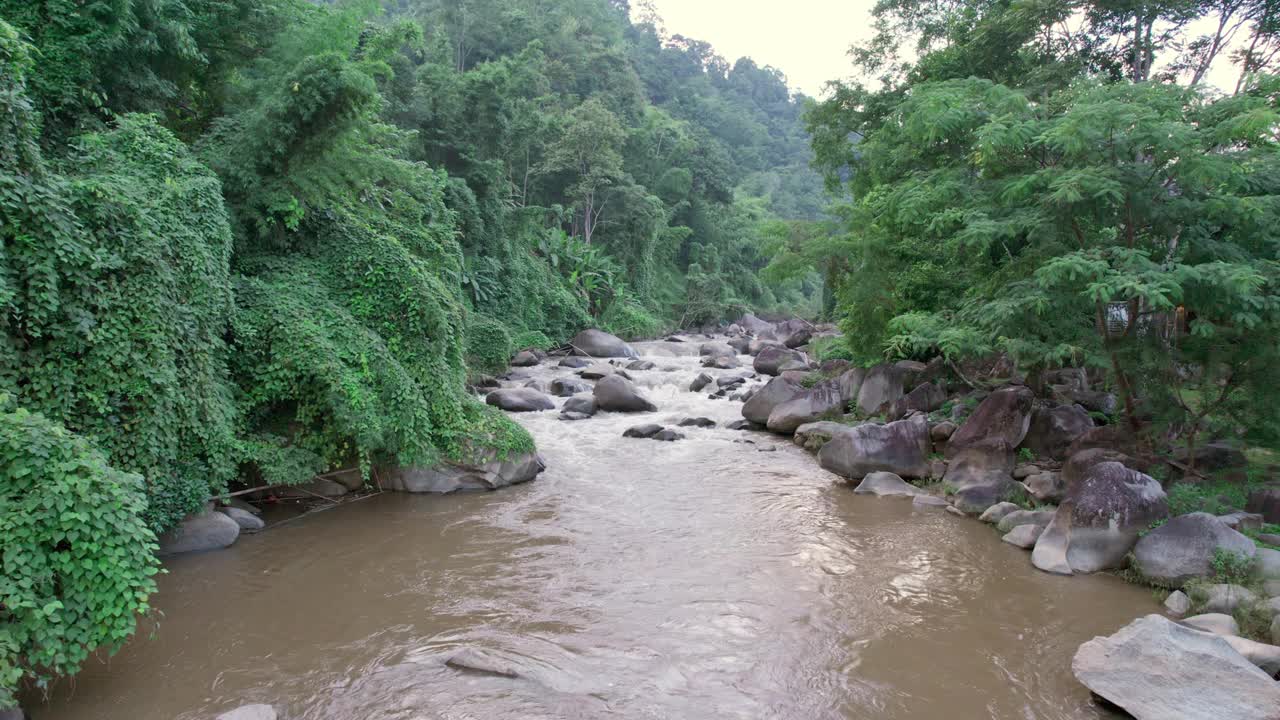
(245, 241)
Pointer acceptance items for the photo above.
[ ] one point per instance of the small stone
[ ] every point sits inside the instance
(771, 448)
(1216, 623)
(996, 513)
(1178, 604)
(929, 502)
(668, 435)
(701, 422)
(1024, 536)
(956, 511)
(642, 431)
(700, 382)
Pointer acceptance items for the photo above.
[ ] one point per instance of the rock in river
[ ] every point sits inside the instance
(1183, 548)
(887, 484)
(647, 430)
(209, 530)
(597, 343)
(1023, 536)
(822, 400)
(248, 522)
(250, 712)
(615, 394)
(584, 404)
(1004, 414)
(520, 400)
(568, 387)
(901, 448)
(1155, 669)
(482, 662)
(761, 405)
(775, 359)
(486, 474)
(1053, 429)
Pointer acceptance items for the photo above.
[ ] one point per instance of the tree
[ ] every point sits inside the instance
(589, 149)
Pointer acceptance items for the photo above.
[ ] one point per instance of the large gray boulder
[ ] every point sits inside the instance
(250, 712)
(1155, 669)
(1053, 429)
(761, 405)
(1266, 502)
(822, 400)
(755, 325)
(812, 436)
(716, 349)
(880, 388)
(1099, 520)
(615, 394)
(1046, 487)
(926, 397)
(248, 522)
(886, 484)
(1216, 623)
(584, 404)
(1223, 598)
(1039, 518)
(209, 530)
(776, 359)
(901, 448)
(1004, 415)
(520, 400)
(568, 387)
(489, 472)
(598, 343)
(793, 333)
(1023, 536)
(981, 475)
(1183, 549)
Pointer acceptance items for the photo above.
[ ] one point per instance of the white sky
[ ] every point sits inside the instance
(808, 40)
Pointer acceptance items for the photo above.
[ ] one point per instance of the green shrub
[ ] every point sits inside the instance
(532, 339)
(489, 346)
(1215, 498)
(830, 348)
(629, 320)
(77, 559)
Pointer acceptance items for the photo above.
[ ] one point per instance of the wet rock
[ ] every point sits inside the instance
(776, 392)
(901, 448)
(730, 381)
(1266, 502)
(793, 333)
(822, 400)
(1266, 657)
(489, 472)
(1241, 521)
(1005, 415)
(248, 522)
(250, 712)
(701, 422)
(741, 345)
(1155, 669)
(1039, 518)
(886, 484)
(568, 387)
(1046, 487)
(597, 371)
(641, 365)
(1183, 548)
(647, 430)
(980, 476)
(615, 394)
(319, 487)
(755, 325)
(525, 358)
(1023, 536)
(571, 416)
(597, 343)
(1223, 598)
(881, 386)
(1094, 401)
(1024, 471)
(721, 362)
(584, 404)
(929, 501)
(1099, 520)
(675, 339)
(1053, 429)
(574, 361)
(519, 400)
(743, 425)
(956, 511)
(777, 359)
(716, 349)
(700, 382)
(770, 448)
(997, 512)
(478, 661)
(942, 431)
(926, 397)
(1177, 604)
(1216, 623)
(209, 530)
(812, 436)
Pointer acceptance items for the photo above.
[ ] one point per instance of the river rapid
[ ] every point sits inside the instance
(704, 578)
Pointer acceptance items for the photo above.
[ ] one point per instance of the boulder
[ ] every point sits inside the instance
(812, 436)
(761, 405)
(1266, 502)
(901, 448)
(598, 343)
(1004, 415)
(1023, 536)
(721, 362)
(519, 400)
(998, 512)
(1046, 487)
(926, 397)
(1183, 548)
(642, 431)
(740, 345)
(1241, 521)
(582, 404)
(700, 382)
(887, 484)
(755, 325)
(568, 387)
(1039, 518)
(1269, 564)
(1155, 669)
(1212, 457)
(640, 365)
(525, 358)
(574, 361)
(571, 416)
(980, 476)
(777, 359)
(730, 381)
(478, 661)
(822, 400)
(881, 386)
(1216, 623)
(1223, 598)
(757, 345)
(669, 435)
(929, 502)
(319, 487)
(489, 472)
(250, 712)
(715, 349)
(1177, 604)
(1094, 401)
(598, 371)
(1053, 429)
(942, 431)
(743, 425)
(1117, 438)
(209, 530)
(793, 333)
(1099, 520)
(248, 522)
(616, 394)
(1266, 657)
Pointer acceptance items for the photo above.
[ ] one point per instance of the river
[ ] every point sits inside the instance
(705, 578)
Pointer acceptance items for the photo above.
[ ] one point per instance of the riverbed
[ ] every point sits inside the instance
(704, 578)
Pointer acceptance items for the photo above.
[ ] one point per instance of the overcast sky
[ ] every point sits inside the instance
(808, 40)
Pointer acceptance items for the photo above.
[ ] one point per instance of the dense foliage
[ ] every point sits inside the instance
(244, 242)
(1056, 182)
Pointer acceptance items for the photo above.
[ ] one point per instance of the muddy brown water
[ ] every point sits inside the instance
(634, 579)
